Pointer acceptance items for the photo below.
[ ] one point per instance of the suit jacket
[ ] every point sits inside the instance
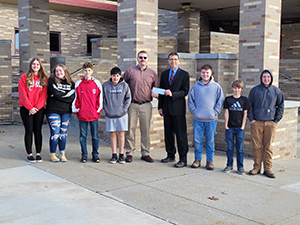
(175, 105)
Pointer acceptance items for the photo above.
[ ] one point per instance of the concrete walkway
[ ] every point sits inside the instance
(139, 192)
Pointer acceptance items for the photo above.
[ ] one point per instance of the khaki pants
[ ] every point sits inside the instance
(262, 136)
(143, 114)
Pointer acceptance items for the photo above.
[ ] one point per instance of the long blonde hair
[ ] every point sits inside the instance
(42, 73)
(67, 74)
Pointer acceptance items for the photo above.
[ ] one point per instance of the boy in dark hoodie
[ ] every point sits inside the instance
(116, 101)
(266, 110)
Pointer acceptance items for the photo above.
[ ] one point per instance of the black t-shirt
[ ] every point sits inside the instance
(236, 107)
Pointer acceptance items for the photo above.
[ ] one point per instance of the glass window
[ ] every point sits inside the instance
(54, 42)
(89, 43)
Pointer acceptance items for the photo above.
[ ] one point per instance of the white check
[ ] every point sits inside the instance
(158, 90)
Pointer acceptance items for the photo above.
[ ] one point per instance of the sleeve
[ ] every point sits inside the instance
(184, 90)
(279, 107)
(155, 81)
(251, 105)
(76, 101)
(220, 100)
(191, 101)
(23, 97)
(127, 98)
(246, 104)
(41, 102)
(226, 103)
(161, 97)
(100, 97)
(62, 95)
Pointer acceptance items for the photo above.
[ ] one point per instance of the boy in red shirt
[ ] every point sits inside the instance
(88, 106)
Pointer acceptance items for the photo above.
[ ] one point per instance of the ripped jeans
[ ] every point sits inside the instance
(58, 131)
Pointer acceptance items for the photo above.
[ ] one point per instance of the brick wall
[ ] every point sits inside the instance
(8, 23)
(74, 28)
(290, 44)
(5, 81)
(218, 42)
(291, 68)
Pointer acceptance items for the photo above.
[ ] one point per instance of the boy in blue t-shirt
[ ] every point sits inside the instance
(236, 108)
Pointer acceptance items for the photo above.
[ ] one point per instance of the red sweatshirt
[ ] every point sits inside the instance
(33, 96)
(88, 99)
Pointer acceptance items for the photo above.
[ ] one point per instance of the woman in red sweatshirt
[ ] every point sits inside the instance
(32, 98)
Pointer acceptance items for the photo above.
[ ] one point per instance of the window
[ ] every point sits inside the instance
(54, 42)
(89, 43)
(16, 40)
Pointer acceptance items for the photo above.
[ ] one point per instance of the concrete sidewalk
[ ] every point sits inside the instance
(139, 192)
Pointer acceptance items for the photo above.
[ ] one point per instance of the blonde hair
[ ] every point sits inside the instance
(42, 73)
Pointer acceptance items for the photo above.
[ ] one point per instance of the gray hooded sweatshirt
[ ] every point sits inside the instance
(116, 98)
(206, 101)
(266, 103)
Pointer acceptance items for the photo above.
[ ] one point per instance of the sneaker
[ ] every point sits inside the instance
(121, 159)
(227, 169)
(30, 159)
(63, 157)
(113, 159)
(53, 157)
(96, 159)
(38, 158)
(241, 171)
(83, 159)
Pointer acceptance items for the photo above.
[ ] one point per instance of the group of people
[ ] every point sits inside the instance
(126, 100)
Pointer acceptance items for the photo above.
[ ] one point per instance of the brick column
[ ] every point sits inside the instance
(188, 30)
(137, 30)
(34, 32)
(5, 81)
(259, 40)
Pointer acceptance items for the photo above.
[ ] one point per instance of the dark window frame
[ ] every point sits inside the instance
(89, 43)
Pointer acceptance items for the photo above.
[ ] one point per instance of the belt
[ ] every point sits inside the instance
(140, 102)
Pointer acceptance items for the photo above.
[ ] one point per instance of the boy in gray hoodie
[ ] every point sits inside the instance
(266, 110)
(116, 101)
(205, 102)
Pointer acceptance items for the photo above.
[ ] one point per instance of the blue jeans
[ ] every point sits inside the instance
(239, 135)
(58, 131)
(83, 126)
(207, 129)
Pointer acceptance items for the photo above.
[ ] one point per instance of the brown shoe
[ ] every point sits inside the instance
(269, 174)
(128, 158)
(209, 165)
(147, 158)
(196, 163)
(254, 171)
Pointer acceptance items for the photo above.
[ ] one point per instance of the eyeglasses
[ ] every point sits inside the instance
(173, 59)
(141, 57)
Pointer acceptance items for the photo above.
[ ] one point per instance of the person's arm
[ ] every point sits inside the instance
(279, 107)
(100, 97)
(244, 120)
(127, 98)
(42, 99)
(184, 90)
(226, 119)
(251, 106)
(191, 101)
(23, 94)
(76, 103)
(220, 101)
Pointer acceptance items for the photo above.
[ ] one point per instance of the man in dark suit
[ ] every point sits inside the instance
(172, 106)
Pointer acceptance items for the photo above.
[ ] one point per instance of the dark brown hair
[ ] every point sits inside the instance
(237, 83)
